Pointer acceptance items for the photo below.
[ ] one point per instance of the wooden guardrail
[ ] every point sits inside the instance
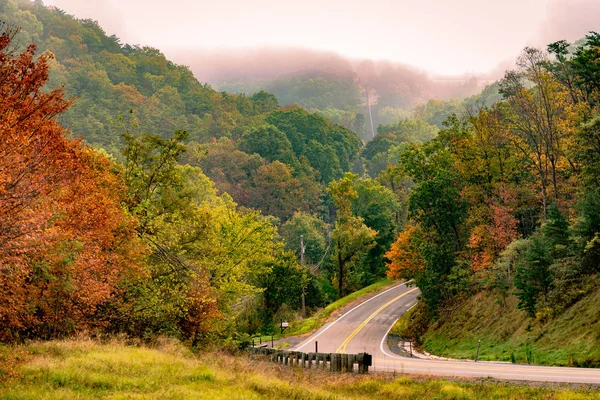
(335, 362)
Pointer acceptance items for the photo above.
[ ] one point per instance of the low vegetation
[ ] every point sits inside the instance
(86, 369)
(507, 334)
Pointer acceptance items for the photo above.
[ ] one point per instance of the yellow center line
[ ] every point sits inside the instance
(342, 348)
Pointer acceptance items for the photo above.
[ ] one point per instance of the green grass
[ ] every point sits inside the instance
(314, 322)
(266, 338)
(84, 369)
(402, 327)
(507, 334)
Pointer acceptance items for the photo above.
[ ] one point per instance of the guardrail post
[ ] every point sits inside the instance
(336, 362)
(364, 362)
(331, 361)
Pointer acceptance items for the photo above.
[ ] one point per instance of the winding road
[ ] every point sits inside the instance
(365, 327)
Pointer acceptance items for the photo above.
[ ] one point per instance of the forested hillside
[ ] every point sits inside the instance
(110, 79)
(137, 200)
(504, 206)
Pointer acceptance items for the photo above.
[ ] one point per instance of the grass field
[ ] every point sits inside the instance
(314, 322)
(85, 369)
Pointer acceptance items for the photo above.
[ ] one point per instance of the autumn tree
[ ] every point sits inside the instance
(65, 243)
(276, 192)
(406, 261)
(539, 119)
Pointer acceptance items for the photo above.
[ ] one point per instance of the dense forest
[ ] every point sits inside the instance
(505, 201)
(136, 200)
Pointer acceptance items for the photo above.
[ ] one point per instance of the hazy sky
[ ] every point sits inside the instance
(444, 36)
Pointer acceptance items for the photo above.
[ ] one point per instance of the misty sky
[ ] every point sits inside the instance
(443, 36)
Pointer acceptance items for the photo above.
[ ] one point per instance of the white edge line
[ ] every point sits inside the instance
(311, 338)
(498, 375)
(381, 347)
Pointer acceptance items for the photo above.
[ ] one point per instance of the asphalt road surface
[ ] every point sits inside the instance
(365, 327)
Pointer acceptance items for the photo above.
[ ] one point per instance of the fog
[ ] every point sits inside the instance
(569, 20)
(233, 39)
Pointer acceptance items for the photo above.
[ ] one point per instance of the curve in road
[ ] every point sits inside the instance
(365, 327)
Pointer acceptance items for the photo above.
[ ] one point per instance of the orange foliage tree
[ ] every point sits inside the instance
(496, 230)
(405, 257)
(65, 242)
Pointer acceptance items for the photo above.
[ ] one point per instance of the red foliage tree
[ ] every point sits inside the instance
(65, 242)
(489, 239)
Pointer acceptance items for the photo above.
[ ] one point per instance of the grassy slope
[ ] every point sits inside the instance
(314, 322)
(573, 338)
(84, 369)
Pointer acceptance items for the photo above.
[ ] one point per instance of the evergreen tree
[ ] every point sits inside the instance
(533, 277)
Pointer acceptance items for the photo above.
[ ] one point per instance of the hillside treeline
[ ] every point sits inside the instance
(507, 197)
(134, 226)
(136, 200)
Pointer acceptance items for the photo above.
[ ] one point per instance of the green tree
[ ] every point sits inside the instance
(323, 159)
(204, 250)
(533, 278)
(314, 231)
(277, 192)
(283, 283)
(436, 204)
(556, 230)
(378, 208)
(270, 143)
(264, 102)
(331, 149)
(351, 238)
(587, 230)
